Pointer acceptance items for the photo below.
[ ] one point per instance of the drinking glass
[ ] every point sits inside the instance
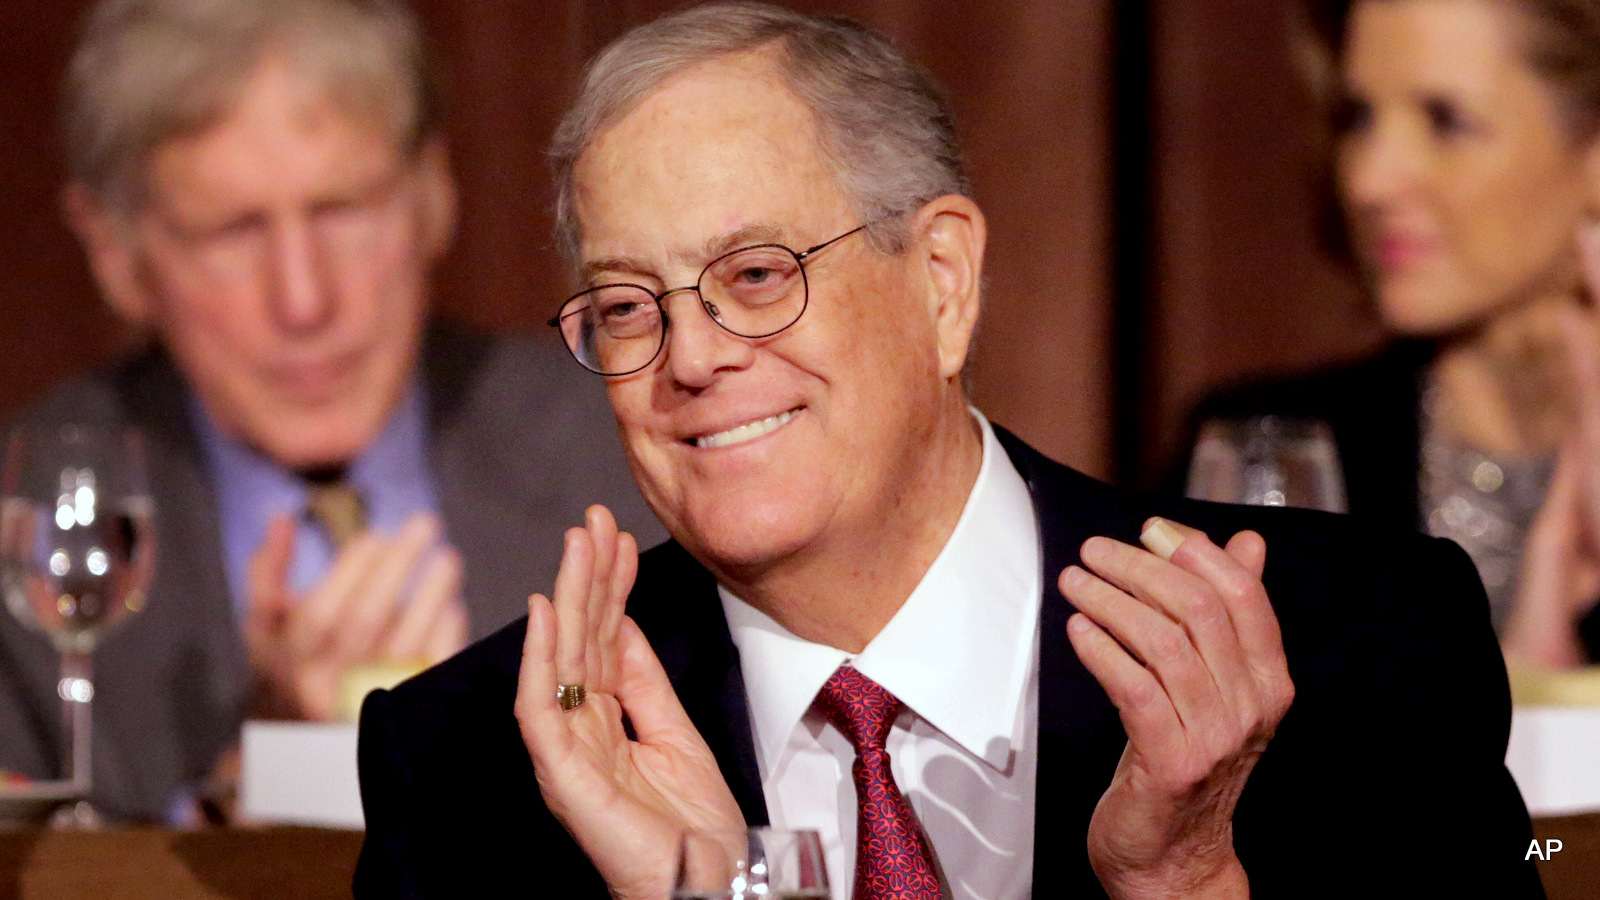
(751, 864)
(77, 551)
(1268, 461)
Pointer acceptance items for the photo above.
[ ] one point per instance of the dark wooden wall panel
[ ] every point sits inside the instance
(1241, 285)
(51, 323)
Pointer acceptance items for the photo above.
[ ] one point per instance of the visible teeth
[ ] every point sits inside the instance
(747, 432)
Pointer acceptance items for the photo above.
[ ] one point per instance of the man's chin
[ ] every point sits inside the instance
(306, 446)
(746, 549)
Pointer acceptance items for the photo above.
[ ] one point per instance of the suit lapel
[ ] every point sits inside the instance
(190, 621)
(1080, 736)
(675, 603)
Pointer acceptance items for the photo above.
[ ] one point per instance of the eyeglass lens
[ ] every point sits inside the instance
(754, 292)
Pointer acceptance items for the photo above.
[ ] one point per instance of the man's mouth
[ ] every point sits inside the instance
(746, 432)
(313, 378)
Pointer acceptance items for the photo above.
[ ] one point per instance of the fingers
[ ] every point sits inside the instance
(571, 607)
(597, 571)
(433, 613)
(623, 574)
(269, 567)
(1158, 640)
(1242, 595)
(317, 616)
(603, 532)
(1189, 601)
(1234, 574)
(267, 579)
(539, 715)
(1558, 524)
(372, 608)
(1559, 572)
(608, 627)
(448, 635)
(1163, 537)
(1146, 709)
(1580, 333)
(391, 599)
(1250, 550)
(1202, 615)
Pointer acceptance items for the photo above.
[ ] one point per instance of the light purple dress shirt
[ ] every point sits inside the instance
(392, 476)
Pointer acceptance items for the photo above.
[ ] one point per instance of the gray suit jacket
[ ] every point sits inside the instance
(521, 440)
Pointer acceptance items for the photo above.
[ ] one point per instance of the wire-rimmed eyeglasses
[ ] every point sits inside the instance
(752, 292)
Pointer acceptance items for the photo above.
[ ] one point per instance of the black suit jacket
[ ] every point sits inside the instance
(1386, 778)
(1373, 408)
(520, 439)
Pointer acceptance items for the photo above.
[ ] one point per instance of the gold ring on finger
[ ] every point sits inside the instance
(570, 696)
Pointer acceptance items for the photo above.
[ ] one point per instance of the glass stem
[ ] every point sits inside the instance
(77, 696)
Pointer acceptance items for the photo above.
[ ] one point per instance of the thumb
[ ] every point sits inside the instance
(645, 691)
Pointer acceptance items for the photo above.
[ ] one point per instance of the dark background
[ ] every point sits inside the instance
(1145, 167)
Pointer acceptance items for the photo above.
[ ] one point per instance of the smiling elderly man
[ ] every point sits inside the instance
(263, 186)
(884, 618)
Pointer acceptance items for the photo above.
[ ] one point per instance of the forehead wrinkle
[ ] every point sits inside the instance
(715, 246)
(591, 269)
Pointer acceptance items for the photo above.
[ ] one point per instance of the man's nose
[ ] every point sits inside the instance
(697, 347)
(301, 297)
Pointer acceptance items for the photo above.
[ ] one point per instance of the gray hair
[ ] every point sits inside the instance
(147, 71)
(884, 126)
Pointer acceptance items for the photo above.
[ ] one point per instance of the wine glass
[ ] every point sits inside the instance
(751, 864)
(1268, 461)
(77, 551)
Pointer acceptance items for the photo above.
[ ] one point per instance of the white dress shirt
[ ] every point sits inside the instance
(962, 654)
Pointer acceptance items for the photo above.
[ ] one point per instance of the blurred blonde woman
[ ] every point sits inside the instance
(1467, 166)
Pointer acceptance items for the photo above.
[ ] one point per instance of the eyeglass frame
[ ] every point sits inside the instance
(800, 257)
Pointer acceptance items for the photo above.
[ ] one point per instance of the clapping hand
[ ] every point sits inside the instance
(384, 600)
(1559, 575)
(1187, 647)
(625, 801)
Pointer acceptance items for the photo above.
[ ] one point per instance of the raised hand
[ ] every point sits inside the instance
(1187, 647)
(385, 600)
(1559, 574)
(626, 801)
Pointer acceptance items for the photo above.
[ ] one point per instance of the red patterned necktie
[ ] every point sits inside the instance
(892, 859)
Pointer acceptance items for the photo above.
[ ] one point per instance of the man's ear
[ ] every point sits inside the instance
(438, 197)
(951, 234)
(109, 242)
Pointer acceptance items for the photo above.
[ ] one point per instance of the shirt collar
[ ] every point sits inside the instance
(396, 455)
(956, 653)
(391, 473)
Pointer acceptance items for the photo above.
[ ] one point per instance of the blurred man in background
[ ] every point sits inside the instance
(262, 186)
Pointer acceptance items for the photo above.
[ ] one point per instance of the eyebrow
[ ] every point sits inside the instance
(763, 233)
